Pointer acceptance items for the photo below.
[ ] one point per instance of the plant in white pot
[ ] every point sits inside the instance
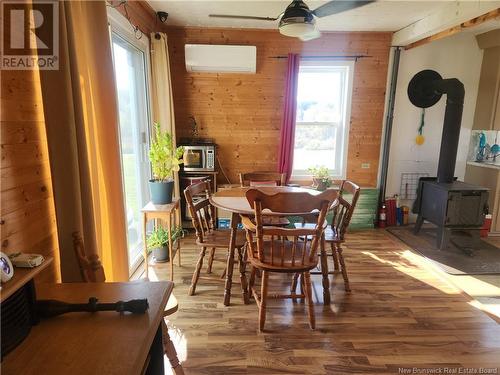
(157, 243)
(321, 177)
(165, 160)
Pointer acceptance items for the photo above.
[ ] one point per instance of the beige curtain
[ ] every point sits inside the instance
(82, 132)
(162, 99)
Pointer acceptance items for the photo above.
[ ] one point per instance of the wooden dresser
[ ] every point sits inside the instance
(95, 343)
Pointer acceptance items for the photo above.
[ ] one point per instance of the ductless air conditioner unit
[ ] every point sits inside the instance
(210, 58)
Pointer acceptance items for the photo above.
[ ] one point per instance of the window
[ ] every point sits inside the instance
(131, 63)
(323, 111)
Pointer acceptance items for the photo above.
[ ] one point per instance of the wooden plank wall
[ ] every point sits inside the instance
(27, 205)
(243, 111)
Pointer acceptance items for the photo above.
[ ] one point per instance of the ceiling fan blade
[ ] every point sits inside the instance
(244, 17)
(334, 7)
(314, 35)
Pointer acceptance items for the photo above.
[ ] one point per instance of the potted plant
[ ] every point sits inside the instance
(321, 177)
(157, 243)
(165, 159)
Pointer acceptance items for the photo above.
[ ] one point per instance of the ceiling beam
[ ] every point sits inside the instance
(452, 14)
(456, 29)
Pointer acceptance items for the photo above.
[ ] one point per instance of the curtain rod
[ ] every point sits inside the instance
(352, 57)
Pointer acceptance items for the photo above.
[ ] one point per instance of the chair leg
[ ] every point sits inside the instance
(210, 259)
(335, 257)
(223, 274)
(251, 282)
(308, 292)
(243, 279)
(169, 350)
(324, 273)
(302, 288)
(263, 297)
(293, 287)
(196, 274)
(230, 259)
(343, 268)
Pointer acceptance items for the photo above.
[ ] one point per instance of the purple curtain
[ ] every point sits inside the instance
(289, 113)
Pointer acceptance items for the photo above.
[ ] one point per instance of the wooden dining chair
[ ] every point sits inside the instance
(284, 250)
(256, 179)
(207, 236)
(263, 179)
(92, 271)
(334, 235)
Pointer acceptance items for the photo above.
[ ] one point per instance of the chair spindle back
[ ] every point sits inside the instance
(202, 212)
(249, 179)
(288, 246)
(342, 213)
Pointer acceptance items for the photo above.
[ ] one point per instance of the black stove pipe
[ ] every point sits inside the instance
(425, 90)
(455, 92)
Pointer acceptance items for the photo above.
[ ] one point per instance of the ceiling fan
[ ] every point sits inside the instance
(299, 21)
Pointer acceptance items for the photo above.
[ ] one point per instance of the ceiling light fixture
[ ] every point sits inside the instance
(299, 21)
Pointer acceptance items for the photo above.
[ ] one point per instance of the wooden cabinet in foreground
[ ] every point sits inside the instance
(105, 342)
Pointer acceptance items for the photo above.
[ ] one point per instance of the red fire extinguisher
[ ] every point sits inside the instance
(382, 214)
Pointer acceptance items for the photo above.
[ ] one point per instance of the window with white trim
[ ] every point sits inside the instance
(323, 114)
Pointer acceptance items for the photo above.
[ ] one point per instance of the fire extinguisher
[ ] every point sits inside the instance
(382, 214)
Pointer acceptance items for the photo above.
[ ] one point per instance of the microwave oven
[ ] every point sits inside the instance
(199, 158)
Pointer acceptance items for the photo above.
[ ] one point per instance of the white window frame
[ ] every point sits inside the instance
(120, 26)
(343, 127)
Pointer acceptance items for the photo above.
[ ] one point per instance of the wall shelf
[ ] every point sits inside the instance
(21, 277)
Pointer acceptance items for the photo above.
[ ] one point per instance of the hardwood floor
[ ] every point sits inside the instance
(400, 315)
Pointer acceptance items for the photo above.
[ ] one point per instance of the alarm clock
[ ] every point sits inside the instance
(7, 268)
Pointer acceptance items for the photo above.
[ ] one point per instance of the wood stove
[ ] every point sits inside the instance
(451, 206)
(445, 202)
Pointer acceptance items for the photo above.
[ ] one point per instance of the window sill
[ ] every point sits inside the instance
(307, 181)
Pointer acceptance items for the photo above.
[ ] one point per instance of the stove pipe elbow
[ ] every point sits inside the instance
(453, 88)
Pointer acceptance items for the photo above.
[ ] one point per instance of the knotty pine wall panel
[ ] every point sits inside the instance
(243, 112)
(27, 206)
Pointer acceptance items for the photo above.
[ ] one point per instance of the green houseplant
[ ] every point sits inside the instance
(321, 177)
(157, 242)
(165, 159)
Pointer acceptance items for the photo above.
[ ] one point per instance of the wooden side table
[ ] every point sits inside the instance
(168, 215)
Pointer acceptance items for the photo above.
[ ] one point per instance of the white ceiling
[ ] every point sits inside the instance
(382, 15)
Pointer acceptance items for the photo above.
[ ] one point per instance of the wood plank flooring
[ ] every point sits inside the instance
(401, 317)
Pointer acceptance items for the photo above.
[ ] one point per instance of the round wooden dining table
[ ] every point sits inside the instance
(235, 201)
